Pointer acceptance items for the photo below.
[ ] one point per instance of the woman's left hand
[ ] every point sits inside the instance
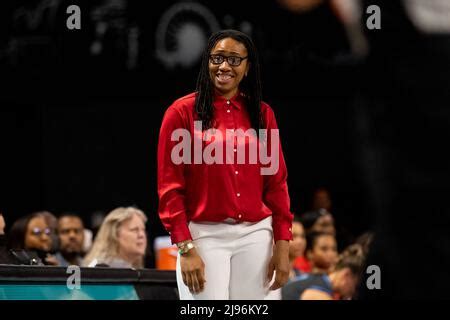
(279, 264)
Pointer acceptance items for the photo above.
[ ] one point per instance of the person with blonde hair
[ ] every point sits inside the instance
(121, 241)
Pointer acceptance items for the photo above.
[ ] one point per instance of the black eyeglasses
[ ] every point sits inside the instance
(232, 60)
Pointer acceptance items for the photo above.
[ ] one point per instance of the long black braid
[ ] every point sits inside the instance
(250, 85)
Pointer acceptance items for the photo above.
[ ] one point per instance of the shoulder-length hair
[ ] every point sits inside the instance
(106, 244)
(250, 85)
(18, 231)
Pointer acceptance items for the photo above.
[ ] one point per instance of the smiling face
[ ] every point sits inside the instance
(226, 78)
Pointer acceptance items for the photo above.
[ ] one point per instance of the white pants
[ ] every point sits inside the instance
(236, 258)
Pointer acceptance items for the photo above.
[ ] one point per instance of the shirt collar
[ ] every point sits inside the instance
(236, 101)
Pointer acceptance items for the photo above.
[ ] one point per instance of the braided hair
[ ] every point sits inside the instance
(250, 86)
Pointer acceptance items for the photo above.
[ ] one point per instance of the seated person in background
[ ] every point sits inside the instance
(321, 199)
(31, 234)
(4, 254)
(70, 230)
(6, 257)
(121, 241)
(52, 223)
(296, 249)
(321, 251)
(297, 246)
(314, 221)
(340, 284)
(319, 220)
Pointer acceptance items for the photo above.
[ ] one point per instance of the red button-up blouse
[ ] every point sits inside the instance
(217, 191)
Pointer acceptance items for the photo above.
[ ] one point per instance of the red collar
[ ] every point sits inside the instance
(236, 101)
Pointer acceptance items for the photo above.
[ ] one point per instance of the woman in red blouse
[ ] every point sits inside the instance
(222, 187)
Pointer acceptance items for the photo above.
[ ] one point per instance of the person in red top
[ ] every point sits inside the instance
(223, 195)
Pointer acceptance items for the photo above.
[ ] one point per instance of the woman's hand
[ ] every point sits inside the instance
(193, 271)
(280, 264)
(51, 260)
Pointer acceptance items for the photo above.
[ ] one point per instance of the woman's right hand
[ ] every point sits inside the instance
(193, 271)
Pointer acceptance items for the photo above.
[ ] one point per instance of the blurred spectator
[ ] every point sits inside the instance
(321, 199)
(321, 251)
(32, 233)
(52, 223)
(121, 241)
(71, 239)
(314, 221)
(4, 256)
(321, 210)
(340, 284)
(297, 246)
(296, 249)
(300, 262)
(319, 220)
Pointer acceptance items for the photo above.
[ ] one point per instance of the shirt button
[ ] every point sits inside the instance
(238, 194)
(240, 216)
(228, 111)
(236, 172)
(228, 101)
(290, 229)
(234, 149)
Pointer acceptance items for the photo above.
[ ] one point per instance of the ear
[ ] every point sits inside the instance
(247, 69)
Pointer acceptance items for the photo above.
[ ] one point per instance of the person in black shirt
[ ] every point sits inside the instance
(4, 255)
(30, 237)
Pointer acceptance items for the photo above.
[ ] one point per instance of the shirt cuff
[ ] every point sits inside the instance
(180, 233)
(282, 231)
